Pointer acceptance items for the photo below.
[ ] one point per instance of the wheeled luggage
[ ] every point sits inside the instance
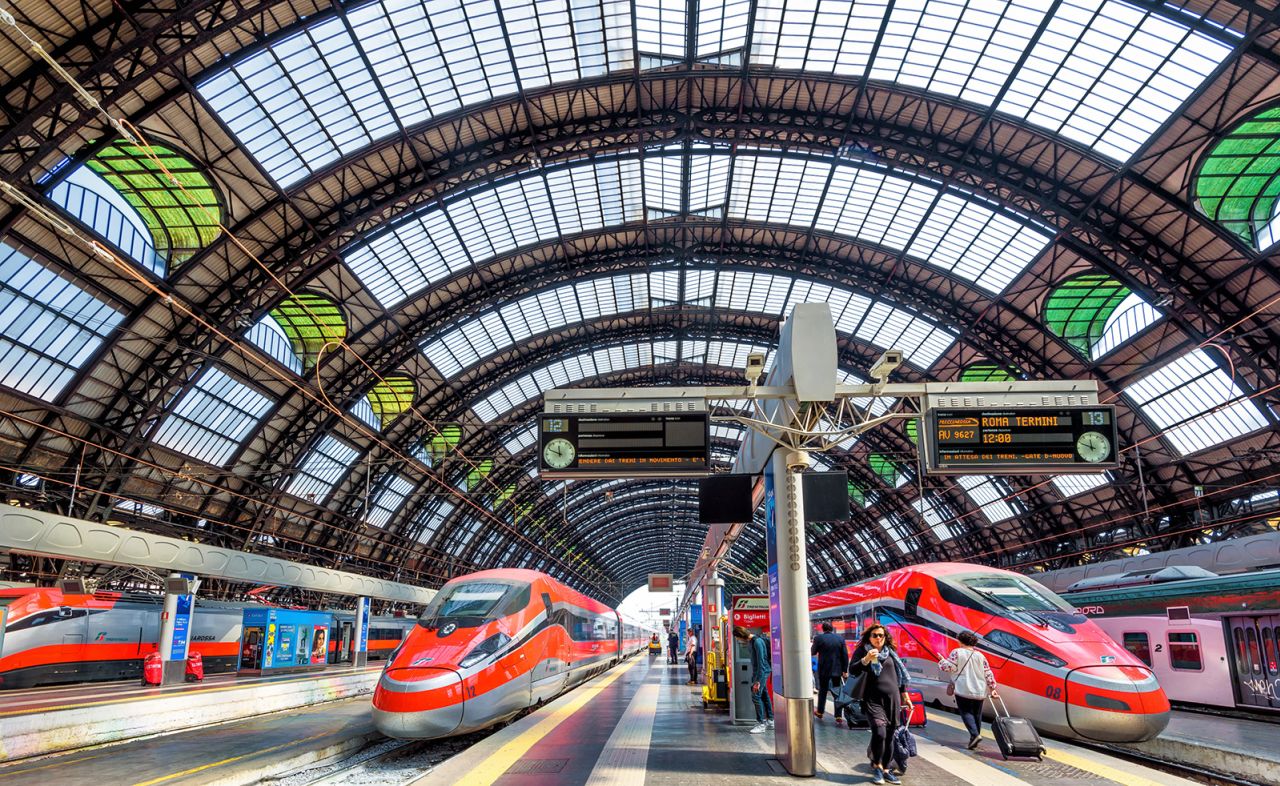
(195, 667)
(918, 717)
(1015, 736)
(152, 669)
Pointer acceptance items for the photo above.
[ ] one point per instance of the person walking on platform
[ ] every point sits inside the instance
(972, 683)
(673, 647)
(691, 659)
(761, 668)
(883, 686)
(833, 664)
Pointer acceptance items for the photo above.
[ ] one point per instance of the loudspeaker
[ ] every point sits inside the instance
(725, 499)
(826, 496)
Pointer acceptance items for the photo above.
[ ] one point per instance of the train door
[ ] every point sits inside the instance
(1255, 647)
(251, 648)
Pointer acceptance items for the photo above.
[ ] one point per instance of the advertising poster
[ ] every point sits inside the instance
(181, 628)
(319, 644)
(775, 616)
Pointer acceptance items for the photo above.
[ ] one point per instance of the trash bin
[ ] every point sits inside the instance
(195, 667)
(152, 669)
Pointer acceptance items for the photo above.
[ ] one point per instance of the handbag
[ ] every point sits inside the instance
(851, 690)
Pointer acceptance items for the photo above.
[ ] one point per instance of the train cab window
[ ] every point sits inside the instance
(1139, 645)
(1184, 651)
(467, 604)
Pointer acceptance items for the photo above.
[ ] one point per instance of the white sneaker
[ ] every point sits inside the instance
(770, 722)
(758, 728)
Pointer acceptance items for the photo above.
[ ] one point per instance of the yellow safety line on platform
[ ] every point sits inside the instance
(172, 694)
(1072, 760)
(24, 770)
(501, 760)
(210, 766)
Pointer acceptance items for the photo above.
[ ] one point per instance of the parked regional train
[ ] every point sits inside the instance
(1212, 640)
(491, 644)
(48, 637)
(1054, 666)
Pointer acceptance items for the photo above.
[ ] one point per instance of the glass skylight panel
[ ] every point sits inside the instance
(363, 410)
(405, 259)
(732, 354)
(921, 341)
(395, 490)
(777, 190)
(592, 196)
(708, 184)
(1074, 485)
(987, 495)
(213, 417)
(976, 243)
(897, 534)
(953, 48)
(267, 336)
(559, 374)
(1195, 403)
(1130, 318)
(936, 514)
(832, 36)
(874, 206)
(1109, 74)
(49, 327)
(743, 290)
(521, 440)
(722, 25)
(323, 467)
(664, 182)
(660, 27)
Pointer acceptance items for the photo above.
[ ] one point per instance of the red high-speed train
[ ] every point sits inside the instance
(1054, 666)
(491, 644)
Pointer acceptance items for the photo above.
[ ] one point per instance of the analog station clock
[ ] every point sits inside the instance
(1093, 446)
(559, 453)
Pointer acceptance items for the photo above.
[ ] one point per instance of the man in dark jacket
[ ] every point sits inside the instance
(833, 661)
(673, 646)
(761, 669)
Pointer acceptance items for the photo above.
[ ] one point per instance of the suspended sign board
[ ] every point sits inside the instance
(624, 445)
(1020, 440)
(661, 582)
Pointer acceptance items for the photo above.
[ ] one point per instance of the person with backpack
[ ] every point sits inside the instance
(833, 665)
(883, 687)
(761, 668)
(972, 683)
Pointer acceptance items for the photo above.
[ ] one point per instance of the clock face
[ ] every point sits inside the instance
(1093, 446)
(559, 453)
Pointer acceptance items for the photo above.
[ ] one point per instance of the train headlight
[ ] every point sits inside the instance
(485, 649)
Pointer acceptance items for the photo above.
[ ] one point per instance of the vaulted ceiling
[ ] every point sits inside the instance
(343, 247)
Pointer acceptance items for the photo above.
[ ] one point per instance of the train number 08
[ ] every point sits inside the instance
(1053, 692)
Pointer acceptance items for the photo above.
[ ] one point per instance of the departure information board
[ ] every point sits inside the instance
(623, 445)
(1021, 440)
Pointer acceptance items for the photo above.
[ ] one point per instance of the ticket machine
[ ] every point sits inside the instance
(750, 612)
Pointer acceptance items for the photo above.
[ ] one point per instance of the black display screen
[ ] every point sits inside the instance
(623, 445)
(1022, 440)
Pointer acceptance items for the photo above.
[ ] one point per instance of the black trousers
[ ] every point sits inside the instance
(826, 685)
(971, 714)
(882, 715)
(693, 669)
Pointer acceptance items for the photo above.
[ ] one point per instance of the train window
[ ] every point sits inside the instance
(1021, 646)
(1184, 652)
(1010, 592)
(1139, 645)
(1255, 659)
(1269, 651)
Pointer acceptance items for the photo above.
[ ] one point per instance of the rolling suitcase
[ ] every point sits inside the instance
(917, 717)
(1015, 736)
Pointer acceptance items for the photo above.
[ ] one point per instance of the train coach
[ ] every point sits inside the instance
(494, 643)
(49, 637)
(1211, 640)
(1054, 666)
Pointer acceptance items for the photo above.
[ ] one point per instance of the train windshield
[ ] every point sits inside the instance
(471, 603)
(1013, 594)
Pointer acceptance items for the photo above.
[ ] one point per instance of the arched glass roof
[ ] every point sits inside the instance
(943, 227)
(1103, 73)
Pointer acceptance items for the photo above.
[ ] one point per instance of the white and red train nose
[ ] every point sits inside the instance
(1115, 703)
(418, 702)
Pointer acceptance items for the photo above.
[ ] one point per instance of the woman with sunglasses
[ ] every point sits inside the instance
(884, 680)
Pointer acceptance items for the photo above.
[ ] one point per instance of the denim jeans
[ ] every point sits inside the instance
(971, 714)
(763, 702)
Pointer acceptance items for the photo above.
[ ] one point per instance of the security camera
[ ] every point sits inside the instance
(797, 461)
(886, 364)
(755, 367)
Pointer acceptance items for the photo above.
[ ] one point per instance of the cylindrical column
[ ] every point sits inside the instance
(175, 628)
(789, 607)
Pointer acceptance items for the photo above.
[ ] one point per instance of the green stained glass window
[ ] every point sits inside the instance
(984, 372)
(1239, 179)
(441, 444)
(857, 494)
(912, 429)
(1079, 308)
(391, 398)
(310, 322)
(477, 474)
(884, 468)
(505, 494)
(183, 217)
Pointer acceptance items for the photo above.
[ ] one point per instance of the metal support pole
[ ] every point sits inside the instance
(175, 632)
(789, 616)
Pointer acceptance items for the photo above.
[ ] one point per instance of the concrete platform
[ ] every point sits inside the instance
(39, 721)
(640, 724)
(1248, 749)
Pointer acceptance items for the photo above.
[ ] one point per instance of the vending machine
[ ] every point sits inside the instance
(750, 612)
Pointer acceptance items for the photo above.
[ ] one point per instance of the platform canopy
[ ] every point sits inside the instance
(351, 243)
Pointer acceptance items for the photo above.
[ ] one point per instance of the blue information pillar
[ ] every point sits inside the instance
(362, 633)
